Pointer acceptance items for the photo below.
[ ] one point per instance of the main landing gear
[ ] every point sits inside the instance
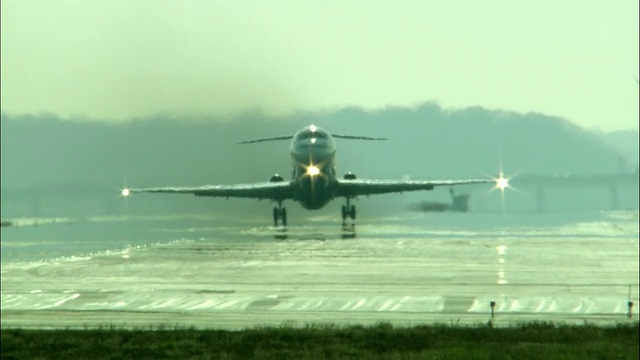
(348, 230)
(348, 211)
(280, 213)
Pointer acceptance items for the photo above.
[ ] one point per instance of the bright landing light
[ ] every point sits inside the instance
(313, 170)
(502, 182)
(125, 192)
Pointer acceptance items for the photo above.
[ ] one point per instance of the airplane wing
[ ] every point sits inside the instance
(267, 190)
(286, 137)
(355, 187)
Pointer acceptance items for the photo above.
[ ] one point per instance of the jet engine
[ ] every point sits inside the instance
(350, 176)
(276, 178)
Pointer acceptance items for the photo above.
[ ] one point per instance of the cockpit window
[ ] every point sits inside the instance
(304, 135)
(312, 137)
(320, 135)
(308, 134)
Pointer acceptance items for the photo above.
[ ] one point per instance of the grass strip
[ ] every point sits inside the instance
(536, 340)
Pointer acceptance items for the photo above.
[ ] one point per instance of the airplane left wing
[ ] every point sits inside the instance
(355, 187)
(267, 190)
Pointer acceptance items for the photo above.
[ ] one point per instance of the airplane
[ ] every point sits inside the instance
(314, 181)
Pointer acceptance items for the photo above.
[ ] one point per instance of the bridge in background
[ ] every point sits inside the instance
(584, 192)
(613, 184)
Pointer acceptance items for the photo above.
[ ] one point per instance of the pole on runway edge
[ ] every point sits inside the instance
(629, 304)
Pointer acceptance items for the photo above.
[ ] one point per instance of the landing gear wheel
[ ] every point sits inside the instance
(279, 213)
(348, 211)
(276, 216)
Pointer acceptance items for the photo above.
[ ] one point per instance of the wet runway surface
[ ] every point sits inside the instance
(407, 269)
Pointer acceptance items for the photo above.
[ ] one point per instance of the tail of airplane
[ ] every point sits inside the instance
(289, 137)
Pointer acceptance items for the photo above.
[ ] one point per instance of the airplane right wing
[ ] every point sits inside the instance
(266, 190)
(355, 187)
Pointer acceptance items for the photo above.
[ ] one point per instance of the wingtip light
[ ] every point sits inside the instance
(502, 182)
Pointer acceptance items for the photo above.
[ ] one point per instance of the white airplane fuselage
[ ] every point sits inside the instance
(313, 153)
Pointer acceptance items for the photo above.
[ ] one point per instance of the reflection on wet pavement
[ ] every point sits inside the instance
(406, 271)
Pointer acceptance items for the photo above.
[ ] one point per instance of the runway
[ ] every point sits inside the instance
(407, 269)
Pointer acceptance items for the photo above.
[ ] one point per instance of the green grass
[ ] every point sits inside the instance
(382, 341)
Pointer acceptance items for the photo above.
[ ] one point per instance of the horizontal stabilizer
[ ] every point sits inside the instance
(289, 137)
(352, 137)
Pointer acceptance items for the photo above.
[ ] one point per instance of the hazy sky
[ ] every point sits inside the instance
(119, 59)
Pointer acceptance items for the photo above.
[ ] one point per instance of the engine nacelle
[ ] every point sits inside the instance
(276, 178)
(350, 176)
